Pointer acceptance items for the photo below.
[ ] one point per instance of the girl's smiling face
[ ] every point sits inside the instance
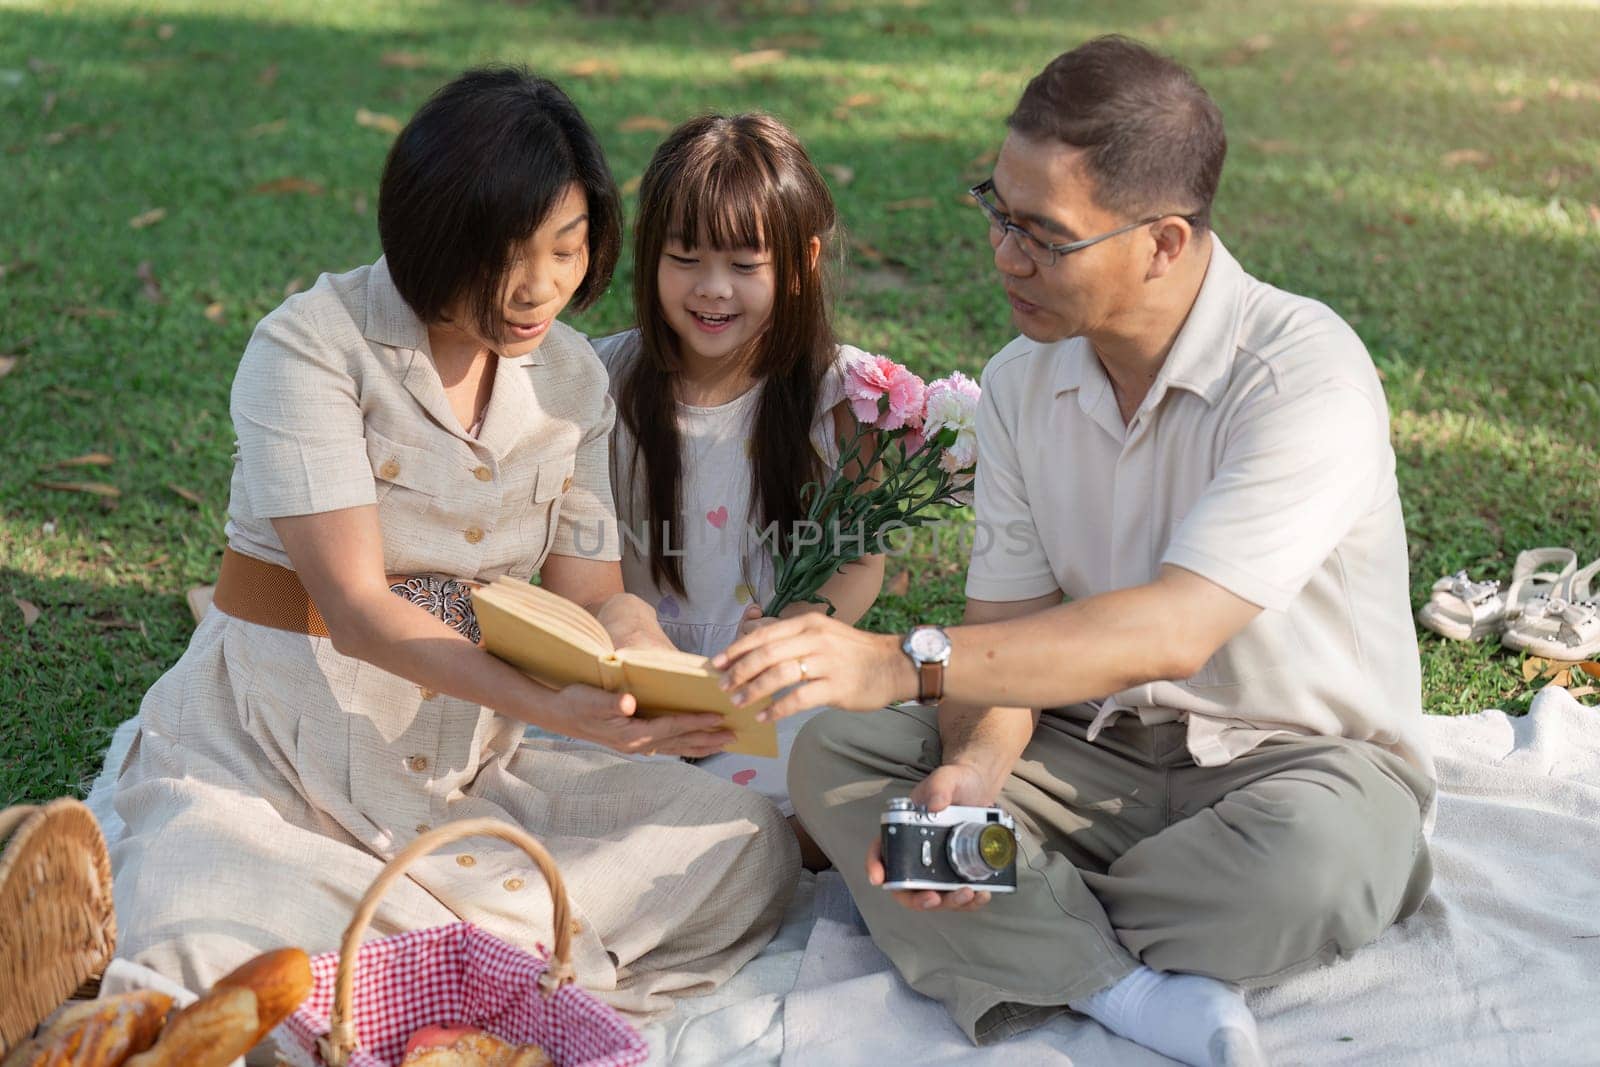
(717, 301)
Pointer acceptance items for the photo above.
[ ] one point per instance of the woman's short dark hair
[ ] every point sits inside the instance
(474, 173)
(1152, 138)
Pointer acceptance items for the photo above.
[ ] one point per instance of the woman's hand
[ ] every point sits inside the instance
(610, 719)
(952, 783)
(632, 623)
(827, 662)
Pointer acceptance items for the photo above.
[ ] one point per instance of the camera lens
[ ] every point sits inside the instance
(979, 851)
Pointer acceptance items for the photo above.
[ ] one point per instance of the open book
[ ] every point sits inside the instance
(556, 642)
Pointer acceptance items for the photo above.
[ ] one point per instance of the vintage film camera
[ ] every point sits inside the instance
(946, 850)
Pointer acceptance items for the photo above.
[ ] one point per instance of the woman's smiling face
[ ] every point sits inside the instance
(717, 302)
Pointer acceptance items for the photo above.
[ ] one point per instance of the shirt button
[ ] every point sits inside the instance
(423, 828)
(418, 763)
(390, 469)
(566, 485)
(467, 861)
(483, 474)
(473, 535)
(513, 884)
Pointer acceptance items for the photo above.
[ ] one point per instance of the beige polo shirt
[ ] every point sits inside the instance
(337, 404)
(1260, 459)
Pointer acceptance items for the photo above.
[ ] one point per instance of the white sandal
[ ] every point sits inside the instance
(1464, 610)
(1563, 625)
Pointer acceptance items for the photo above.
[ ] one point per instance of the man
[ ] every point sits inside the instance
(1227, 782)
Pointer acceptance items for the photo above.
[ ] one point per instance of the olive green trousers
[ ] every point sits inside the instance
(1293, 854)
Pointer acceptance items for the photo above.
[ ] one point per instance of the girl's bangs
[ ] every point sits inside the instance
(724, 206)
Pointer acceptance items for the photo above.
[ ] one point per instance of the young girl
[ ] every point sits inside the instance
(730, 392)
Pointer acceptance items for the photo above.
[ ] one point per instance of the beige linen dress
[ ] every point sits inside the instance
(271, 775)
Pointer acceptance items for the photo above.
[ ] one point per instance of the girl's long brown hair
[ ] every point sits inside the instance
(735, 182)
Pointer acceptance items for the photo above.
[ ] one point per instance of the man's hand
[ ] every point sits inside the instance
(827, 661)
(952, 783)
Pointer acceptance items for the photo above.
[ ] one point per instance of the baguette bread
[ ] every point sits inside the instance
(97, 1033)
(212, 1032)
(280, 980)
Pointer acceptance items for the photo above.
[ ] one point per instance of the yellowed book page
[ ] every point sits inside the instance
(667, 683)
(540, 603)
(550, 651)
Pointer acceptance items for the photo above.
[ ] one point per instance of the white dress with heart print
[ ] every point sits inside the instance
(726, 567)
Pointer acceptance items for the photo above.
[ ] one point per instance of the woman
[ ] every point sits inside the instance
(403, 428)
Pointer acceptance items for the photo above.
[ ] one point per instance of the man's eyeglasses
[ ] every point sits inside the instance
(1042, 252)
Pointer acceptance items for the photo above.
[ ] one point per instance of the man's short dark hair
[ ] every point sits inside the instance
(474, 173)
(1152, 137)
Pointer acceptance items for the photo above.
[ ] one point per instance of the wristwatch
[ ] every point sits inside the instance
(929, 649)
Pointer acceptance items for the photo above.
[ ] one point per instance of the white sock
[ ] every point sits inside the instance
(1187, 1017)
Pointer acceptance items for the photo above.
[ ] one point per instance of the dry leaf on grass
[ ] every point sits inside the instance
(79, 311)
(899, 585)
(841, 174)
(289, 184)
(90, 459)
(1531, 668)
(110, 620)
(359, 204)
(790, 40)
(100, 489)
(264, 128)
(1594, 213)
(30, 613)
(1247, 49)
(915, 203)
(1268, 146)
(152, 288)
(593, 66)
(7, 365)
(293, 286)
(644, 124)
(760, 58)
(188, 494)
(403, 60)
(631, 186)
(1463, 157)
(268, 76)
(854, 101)
(866, 251)
(148, 218)
(377, 120)
(1511, 107)
(215, 312)
(166, 30)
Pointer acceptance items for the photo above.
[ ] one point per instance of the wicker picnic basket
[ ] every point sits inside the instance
(57, 927)
(367, 999)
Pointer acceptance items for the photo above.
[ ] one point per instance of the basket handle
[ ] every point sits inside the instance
(341, 1041)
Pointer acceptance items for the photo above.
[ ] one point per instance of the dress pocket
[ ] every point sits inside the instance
(405, 467)
(552, 483)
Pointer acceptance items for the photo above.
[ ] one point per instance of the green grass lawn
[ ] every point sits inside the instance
(169, 170)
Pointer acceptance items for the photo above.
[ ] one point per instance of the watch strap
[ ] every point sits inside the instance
(930, 682)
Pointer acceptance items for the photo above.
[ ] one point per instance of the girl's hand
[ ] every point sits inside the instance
(825, 660)
(753, 620)
(632, 623)
(609, 719)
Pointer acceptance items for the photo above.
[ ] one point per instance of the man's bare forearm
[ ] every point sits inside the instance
(987, 739)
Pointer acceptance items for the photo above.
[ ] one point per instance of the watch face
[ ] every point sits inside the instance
(930, 645)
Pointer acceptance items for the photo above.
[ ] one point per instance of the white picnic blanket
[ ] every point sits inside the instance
(1501, 965)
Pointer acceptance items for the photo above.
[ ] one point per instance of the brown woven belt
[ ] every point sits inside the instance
(269, 595)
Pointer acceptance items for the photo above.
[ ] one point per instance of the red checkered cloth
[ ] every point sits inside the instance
(461, 975)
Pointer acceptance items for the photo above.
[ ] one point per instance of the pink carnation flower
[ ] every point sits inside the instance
(883, 394)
